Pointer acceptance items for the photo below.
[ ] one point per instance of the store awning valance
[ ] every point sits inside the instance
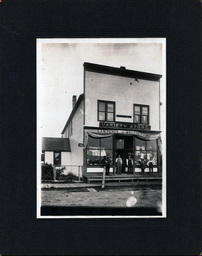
(147, 136)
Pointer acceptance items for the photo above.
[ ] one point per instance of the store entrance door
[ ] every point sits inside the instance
(124, 147)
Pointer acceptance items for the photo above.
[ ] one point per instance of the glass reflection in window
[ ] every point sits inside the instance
(98, 148)
(145, 150)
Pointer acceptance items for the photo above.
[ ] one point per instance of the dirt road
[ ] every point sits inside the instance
(92, 197)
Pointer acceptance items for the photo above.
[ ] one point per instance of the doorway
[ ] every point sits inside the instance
(124, 147)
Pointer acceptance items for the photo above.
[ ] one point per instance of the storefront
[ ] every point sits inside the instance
(118, 113)
(142, 146)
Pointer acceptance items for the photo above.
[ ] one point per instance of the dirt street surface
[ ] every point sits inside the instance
(94, 197)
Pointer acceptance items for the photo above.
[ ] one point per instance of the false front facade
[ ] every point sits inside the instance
(118, 114)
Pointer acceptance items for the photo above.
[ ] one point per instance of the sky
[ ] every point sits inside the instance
(60, 71)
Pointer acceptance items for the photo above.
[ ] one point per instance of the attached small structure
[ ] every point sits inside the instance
(56, 151)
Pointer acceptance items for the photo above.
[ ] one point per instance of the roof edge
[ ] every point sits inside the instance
(122, 71)
(81, 96)
(55, 144)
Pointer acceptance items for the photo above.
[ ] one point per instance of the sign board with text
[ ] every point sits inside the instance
(123, 125)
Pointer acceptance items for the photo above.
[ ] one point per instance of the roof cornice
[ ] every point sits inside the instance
(122, 71)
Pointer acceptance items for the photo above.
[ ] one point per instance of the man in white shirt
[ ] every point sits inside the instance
(119, 163)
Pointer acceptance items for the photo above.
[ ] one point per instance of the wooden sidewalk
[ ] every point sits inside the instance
(122, 177)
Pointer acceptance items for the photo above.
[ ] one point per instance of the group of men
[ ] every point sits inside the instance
(129, 163)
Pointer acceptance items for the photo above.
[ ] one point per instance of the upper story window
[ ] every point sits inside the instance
(106, 111)
(141, 114)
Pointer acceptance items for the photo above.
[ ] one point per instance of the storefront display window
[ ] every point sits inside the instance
(98, 148)
(145, 150)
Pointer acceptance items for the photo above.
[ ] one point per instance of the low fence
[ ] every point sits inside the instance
(67, 169)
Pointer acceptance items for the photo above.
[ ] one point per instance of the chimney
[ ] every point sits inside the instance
(73, 101)
(122, 67)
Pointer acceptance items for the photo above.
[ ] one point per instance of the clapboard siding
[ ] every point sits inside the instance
(76, 156)
(125, 91)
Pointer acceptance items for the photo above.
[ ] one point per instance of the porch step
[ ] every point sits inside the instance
(119, 179)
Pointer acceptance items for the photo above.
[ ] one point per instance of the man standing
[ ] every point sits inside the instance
(150, 164)
(106, 162)
(129, 163)
(142, 164)
(119, 163)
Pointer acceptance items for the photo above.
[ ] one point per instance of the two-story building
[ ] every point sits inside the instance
(117, 114)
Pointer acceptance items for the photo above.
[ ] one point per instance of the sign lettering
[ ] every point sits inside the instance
(123, 125)
(142, 135)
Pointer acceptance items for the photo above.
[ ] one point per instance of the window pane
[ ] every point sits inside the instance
(110, 107)
(151, 145)
(93, 143)
(137, 157)
(106, 143)
(102, 116)
(142, 154)
(103, 152)
(93, 157)
(144, 110)
(144, 119)
(101, 106)
(120, 143)
(139, 144)
(110, 153)
(110, 116)
(152, 157)
(137, 110)
(137, 119)
(57, 158)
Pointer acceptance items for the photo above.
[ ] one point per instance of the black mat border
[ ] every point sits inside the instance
(24, 21)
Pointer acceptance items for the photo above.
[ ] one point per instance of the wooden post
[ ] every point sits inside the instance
(79, 173)
(54, 173)
(103, 177)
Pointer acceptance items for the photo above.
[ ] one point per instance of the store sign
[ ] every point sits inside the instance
(124, 125)
(145, 136)
(121, 132)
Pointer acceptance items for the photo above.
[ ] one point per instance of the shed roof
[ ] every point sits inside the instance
(55, 144)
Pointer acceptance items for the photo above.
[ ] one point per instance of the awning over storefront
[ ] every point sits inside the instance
(95, 136)
(99, 133)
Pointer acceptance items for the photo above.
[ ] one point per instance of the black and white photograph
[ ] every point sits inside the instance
(101, 128)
